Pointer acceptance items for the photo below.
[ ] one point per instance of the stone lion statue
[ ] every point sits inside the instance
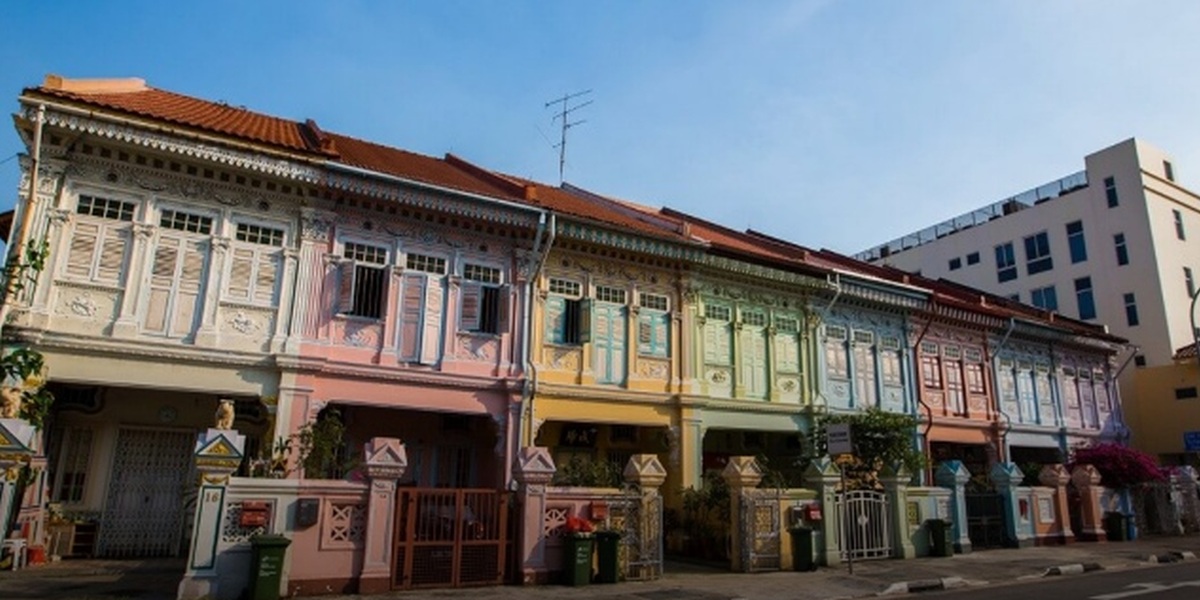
(224, 416)
(10, 402)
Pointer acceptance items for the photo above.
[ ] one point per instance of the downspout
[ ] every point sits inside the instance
(16, 248)
(529, 392)
(1126, 433)
(836, 282)
(1012, 324)
(919, 385)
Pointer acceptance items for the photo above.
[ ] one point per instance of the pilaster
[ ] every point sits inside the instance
(742, 474)
(823, 476)
(206, 334)
(1057, 477)
(533, 471)
(1007, 477)
(895, 480)
(218, 453)
(953, 475)
(386, 461)
(1087, 482)
(126, 325)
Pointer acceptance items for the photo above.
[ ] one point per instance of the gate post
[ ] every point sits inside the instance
(954, 476)
(743, 475)
(218, 454)
(386, 461)
(1087, 481)
(1190, 506)
(1057, 477)
(823, 476)
(647, 473)
(1007, 476)
(895, 480)
(534, 469)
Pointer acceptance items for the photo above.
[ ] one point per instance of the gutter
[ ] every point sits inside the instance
(430, 186)
(919, 384)
(1012, 324)
(1126, 433)
(17, 247)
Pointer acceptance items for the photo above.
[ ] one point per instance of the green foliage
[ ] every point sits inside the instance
(320, 446)
(706, 515)
(587, 472)
(19, 274)
(880, 438)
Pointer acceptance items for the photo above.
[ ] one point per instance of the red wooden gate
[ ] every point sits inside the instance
(450, 538)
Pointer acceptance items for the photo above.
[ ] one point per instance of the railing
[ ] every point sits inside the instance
(979, 216)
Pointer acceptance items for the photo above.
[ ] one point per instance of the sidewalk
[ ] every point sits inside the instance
(157, 579)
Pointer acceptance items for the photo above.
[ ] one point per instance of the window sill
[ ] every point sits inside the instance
(358, 319)
(482, 335)
(91, 285)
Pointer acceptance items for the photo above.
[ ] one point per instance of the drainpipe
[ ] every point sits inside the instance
(1119, 407)
(836, 281)
(16, 248)
(919, 385)
(1012, 324)
(529, 392)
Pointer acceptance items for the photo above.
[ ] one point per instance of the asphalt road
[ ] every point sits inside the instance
(1179, 581)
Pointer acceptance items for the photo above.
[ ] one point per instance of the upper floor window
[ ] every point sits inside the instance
(787, 325)
(183, 221)
(483, 305)
(654, 301)
(1168, 170)
(363, 284)
(717, 312)
(1110, 192)
(1131, 314)
(100, 240)
(1085, 298)
(1189, 282)
(654, 325)
(1006, 262)
(955, 264)
(1037, 253)
(568, 315)
(610, 294)
(1045, 298)
(1179, 225)
(1076, 241)
(255, 262)
(973, 258)
(754, 319)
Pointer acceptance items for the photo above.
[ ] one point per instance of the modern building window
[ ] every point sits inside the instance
(1189, 282)
(955, 264)
(1076, 242)
(1185, 393)
(1037, 253)
(1131, 315)
(1045, 298)
(1015, 297)
(973, 258)
(1168, 170)
(1006, 262)
(1122, 251)
(1179, 225)
(1085, 298)
(1110, 191)
(1139, 360)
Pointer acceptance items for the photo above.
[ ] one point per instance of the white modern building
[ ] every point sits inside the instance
(1116, 244)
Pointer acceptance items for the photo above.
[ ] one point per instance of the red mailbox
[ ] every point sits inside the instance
(598, 511)
(812, 512)
(254, 514)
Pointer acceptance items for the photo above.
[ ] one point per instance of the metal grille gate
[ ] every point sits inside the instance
(450, 538)
(760, 527)
(985, 521)
(641, 548)
(143, 511)
(863, 530)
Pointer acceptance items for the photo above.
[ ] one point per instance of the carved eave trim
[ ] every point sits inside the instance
(603, 236)
(182, 144)
(755, 271)
(429, 200)
(138, 348)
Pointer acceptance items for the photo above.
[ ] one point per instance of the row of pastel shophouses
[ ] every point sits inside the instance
(427, 373)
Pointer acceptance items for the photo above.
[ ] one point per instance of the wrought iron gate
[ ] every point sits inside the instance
(640, 524)
(450, 538)
(863, 529)
(985, 521)
(760, 531)
(143, 511)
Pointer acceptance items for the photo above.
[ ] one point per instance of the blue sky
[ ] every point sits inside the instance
(837, 124)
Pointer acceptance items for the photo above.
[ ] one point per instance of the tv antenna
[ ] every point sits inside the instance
(564, 115)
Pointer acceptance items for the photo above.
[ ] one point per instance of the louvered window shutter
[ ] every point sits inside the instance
(431, 324)
(83, 247)
(503, 304)
(585, 320)
(240, 273)
(267, 277)
(556, 320)
(166, 255)
(472, 296)
(113, 248)
(346, 287)
(645, 337)
(191, 276)
(412, 301)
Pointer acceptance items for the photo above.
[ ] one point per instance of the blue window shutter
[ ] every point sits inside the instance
(556, 319)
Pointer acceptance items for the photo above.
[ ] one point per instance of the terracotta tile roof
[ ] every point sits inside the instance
(190, 112)
(740, 244)
(416, 167)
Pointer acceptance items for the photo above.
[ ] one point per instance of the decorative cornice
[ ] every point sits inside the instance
(623, 241)
(138, 348)
(440, 202)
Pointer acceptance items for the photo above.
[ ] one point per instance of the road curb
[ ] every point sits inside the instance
(1073, 569)
(924, 585)
(1171, 557)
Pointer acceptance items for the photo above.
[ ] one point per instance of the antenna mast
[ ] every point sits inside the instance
(562, 115)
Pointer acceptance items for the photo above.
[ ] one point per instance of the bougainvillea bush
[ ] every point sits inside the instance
(1119, 466)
